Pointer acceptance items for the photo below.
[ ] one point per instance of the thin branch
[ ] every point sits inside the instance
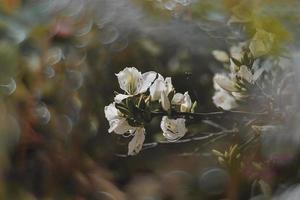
(213, 124)
(198, 138)
(209, 115)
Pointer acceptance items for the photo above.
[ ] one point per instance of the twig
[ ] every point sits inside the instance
(213, 124)
(209, 115)
(216, 135)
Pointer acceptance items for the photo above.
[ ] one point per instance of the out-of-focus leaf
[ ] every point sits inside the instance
(261, 43)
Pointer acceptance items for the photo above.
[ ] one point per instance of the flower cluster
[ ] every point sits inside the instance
(235, 86)
(145, 96)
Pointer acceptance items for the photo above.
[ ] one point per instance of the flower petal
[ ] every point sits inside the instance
(119, 126)
(173, 129)
(148, 78)
(120, 97)
(111, 112)
(136, 144)
(130, 79)
(156, 88)
(224, 82)
(224, 100)
(186, 103)
(177, 99)
(165, 102)
(220, 55)
(169, 85)
(246, 74)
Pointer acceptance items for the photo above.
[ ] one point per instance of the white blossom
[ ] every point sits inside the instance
(245, 74)
(236, 51)
(224, 100)
(225, 82)
(165, 102)
(160, 85)
(117, 122)
(173, 129)
(160, 90)
(184, 100)
(136, 143)
(221, 56)
(133, 82)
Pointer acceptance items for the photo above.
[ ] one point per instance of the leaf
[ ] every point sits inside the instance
(122, 108)
(194, 106)
(262, 43)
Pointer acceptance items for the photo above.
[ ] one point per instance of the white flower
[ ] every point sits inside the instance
(117, 122)
(224, 100)
(136, 143)
(133, 82)
(165, 102)
(160, 90)
(184, 100)
(224, 82)
(173, 129)
(160, 85)
(236, 52)
(221, 56)
(245, 74)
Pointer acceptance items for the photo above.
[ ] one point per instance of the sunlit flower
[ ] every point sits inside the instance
(225, 82)
(119, 125)
(236, 51)
(117, 122)
(221, 56)
(173, 129)
(160, 85)
(183, 100)
(136, 143)
(133, 82)
(224, 100)
(160, 90)
(245, 74)
(165, 102)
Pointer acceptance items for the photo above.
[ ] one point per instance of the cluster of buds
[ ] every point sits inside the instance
(236, 85)
(231, 158)
(146, 96)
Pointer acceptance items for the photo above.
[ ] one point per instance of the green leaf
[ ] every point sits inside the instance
(261, 43)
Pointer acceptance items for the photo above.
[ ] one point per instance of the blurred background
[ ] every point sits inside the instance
(58, 60)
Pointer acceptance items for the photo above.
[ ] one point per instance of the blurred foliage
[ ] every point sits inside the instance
(58, 61)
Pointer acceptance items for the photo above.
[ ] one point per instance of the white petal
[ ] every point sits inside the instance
(111, 112)
(237, 51)
(148, 78)
(177, 99)
(173, 129)
(224, 100)
(165, 102)
(119, 126)
(169, 85)
(224, 82)
(156, 89)
(136, 144)
(221, 56)
(186, 103)
(130, 79)
(245, 73)
(120, 97)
